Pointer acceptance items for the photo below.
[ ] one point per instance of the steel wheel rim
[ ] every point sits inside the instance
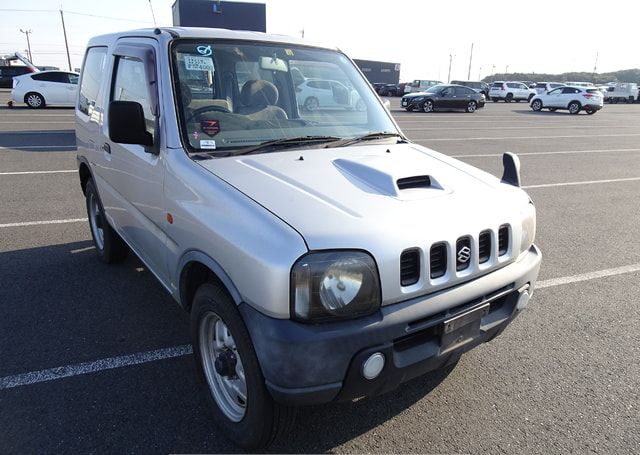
(229, 393)
(428, 106)
(95, 219)
(34, 100)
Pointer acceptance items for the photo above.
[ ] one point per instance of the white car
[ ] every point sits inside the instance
(574, 99)
(544, 87)
(314, 94)
(510, 91)
(45, 88)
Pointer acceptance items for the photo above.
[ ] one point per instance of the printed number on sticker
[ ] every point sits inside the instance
(196, 63)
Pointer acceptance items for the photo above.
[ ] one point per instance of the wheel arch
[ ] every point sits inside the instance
(196, 268)
(84, 171)
(26, 95)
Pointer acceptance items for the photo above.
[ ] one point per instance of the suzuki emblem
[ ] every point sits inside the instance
(464, 254)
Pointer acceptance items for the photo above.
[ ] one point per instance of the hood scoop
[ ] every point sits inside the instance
(396, 176)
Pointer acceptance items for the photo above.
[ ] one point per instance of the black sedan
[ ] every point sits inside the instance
(444, 97)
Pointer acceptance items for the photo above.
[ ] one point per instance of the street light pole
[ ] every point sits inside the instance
(449, 75)
(470, 59)
(27, 32)
(66, 44)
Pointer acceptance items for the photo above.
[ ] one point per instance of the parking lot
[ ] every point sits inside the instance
(96, 358)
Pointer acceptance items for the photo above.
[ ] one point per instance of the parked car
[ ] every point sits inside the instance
(478, 86)
(46, 88)
(321, 258)
(544, 87)
(445, 97)
(314, 94)
(420, 85)
(510, 91)
(377, 86)
(7, 73)
(574, 99)
(390, 90)
(626, 92)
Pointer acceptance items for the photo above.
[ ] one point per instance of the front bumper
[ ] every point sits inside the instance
(411, 103)
(308, 364)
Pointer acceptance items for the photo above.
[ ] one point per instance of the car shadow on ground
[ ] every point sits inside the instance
(545, 113)
(39, 140)
(63, 306)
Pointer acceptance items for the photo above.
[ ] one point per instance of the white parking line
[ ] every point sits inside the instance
(139, 358)
(588, 276)
(43, 147)
(558, 152)
(62, 171)
(38, 223)
(587, 182)
(500, 138)
(78, 369)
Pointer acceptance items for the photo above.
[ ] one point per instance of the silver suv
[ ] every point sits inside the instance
(322, 256)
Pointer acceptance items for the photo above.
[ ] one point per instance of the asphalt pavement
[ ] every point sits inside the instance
(564, 377)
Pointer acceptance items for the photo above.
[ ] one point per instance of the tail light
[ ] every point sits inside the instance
(588, 95)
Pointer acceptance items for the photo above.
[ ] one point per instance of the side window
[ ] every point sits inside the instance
(447, 91)
(43, 77)
(463, 91)
(130, 84)
(569, 90)
(555, 92)
(92, 71)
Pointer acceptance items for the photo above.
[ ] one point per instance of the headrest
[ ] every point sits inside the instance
(258, 93)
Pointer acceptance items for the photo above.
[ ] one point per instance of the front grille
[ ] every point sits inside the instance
(438, 260)
(484, 246)
(409, 267)
(503, 240)
(463, 253)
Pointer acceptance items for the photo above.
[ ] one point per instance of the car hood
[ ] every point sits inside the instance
(373, 197)
(416, 94)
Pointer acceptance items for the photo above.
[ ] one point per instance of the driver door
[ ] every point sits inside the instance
(553, 98)
(447, 99)
(136, 172)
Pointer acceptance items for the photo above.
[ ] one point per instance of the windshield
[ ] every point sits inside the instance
(434, 89)
(239, 94)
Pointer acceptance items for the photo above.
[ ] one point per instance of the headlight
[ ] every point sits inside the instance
(528, 227)
(419, 99)
(334, 285)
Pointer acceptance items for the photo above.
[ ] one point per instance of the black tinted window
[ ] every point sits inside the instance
(464, 91)
(50, 77)
(570, 90)
(92, 72)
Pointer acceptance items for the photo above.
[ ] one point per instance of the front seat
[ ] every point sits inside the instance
(259, 98)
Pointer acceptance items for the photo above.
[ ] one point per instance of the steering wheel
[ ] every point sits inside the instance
(203, 109)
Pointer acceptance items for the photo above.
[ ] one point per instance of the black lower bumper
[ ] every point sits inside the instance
(308, 364)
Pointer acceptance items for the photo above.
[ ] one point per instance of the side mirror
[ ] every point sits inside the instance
(127, 124)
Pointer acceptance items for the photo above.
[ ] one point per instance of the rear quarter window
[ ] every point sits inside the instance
(93, 71)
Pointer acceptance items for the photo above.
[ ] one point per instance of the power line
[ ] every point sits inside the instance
(16, 10)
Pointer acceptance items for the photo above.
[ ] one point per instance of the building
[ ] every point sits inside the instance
(379, 72)
(219, 14)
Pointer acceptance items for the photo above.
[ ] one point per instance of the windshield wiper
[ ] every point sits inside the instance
(368, 137)
(285, 142)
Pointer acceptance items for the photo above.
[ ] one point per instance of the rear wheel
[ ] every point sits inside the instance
(227, 364)
(34, 100)
(536, 105)
(109, 246)
(472, 106)
(427, 106)
(509, 97)
(574, 107)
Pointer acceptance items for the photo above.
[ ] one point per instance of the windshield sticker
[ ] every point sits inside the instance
(195, 135)
(197, 63)
(210, 127)
(208, 144)
(289, 52)
(204, 50)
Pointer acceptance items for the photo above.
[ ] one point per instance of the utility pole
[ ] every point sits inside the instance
(449, 75)
(470, 59)
(28, 32)
(66, 44)
(506, 70)
(493, 69)
(595, 67)
(479, 72)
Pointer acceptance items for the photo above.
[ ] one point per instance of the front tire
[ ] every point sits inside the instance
(227, 364)
(110, 247)
(311, 104)
(536, 105)
(427, 106)
(574, 107)
(34, 100)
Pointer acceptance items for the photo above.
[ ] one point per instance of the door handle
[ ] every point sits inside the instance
(107, 148)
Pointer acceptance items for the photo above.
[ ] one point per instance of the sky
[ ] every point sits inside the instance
(542, 36)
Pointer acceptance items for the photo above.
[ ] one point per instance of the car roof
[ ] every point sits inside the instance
(206, 33)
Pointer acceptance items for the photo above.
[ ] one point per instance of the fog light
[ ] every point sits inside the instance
(523, 300)
(372, 367)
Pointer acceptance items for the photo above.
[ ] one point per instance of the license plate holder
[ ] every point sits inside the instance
(461, 329)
